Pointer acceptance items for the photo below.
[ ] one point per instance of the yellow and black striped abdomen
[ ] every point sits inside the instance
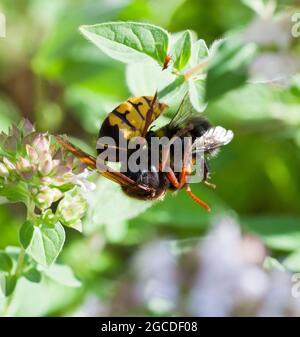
(129, 118)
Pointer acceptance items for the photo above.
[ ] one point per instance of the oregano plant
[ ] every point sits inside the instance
(189, 65)
(36, 171)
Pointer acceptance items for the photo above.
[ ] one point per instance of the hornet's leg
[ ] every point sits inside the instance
(205, 177)
(195, 198)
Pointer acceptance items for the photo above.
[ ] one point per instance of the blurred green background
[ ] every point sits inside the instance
(53, 76)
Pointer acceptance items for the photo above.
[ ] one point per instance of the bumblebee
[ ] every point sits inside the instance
(133, 118)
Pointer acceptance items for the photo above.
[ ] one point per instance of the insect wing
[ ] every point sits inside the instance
(212, 139)
(184, 113)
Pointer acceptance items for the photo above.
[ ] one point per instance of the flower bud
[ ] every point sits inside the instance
(27, 127)
(23, 165)
(47, 196)
(45, 166)
(72, 207)
(9, 165)
(32, 154)
(48, 217)
(41, 143)
(3, 171)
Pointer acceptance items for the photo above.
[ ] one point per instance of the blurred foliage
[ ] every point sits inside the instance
(50, 74)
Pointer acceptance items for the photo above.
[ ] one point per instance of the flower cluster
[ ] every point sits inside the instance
(34, 168)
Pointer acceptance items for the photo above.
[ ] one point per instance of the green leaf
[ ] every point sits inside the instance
(196, 94)
(181, 50)
(62, 274)
(281, 233)
(7, 284)
(26, 233)
(271, 264)
(15, 192)
(43, 243)
(229, 67)
(6, 262)
(33, 275)
(199, 53)
(106, 212)
(174, 88)
(166, 213)
(292, 262)
(147, 77)
(129, 41)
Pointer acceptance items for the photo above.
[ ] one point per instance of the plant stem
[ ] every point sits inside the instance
(20, 263)
(196, 69)
(17, 274)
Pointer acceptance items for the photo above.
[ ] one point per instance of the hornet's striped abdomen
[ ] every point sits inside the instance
(128, 119)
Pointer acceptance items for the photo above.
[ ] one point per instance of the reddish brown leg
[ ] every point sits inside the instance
(173, 180)
(195, 198)
(171, 177)
(186, 167)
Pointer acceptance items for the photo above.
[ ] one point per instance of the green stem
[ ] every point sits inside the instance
(20, 263)
(196, 69)
(17, 274)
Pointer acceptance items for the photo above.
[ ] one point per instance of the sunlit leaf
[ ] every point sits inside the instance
(42, 243)
(62, 274)
(181, 50)
(33, 275)
(176, 88)
(199, 53)
(281, 233)
(271, 264)
(7, 284)
(6, 263)
(292, 262)
(229, 67)
(102, 206)
(146, 78)
(196, 94)
(129, 41)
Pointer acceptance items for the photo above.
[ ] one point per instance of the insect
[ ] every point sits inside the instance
(133, 118)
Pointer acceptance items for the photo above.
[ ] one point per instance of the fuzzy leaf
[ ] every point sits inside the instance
(6, 263)
(229, 67)
(199, 53)
(26, 233)
(271, 264)
(196, 94)
(181, 50)
(129, 41)
(173, 88)
(7, 284)
(43, 243)
(33, 275)
(62, 274)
